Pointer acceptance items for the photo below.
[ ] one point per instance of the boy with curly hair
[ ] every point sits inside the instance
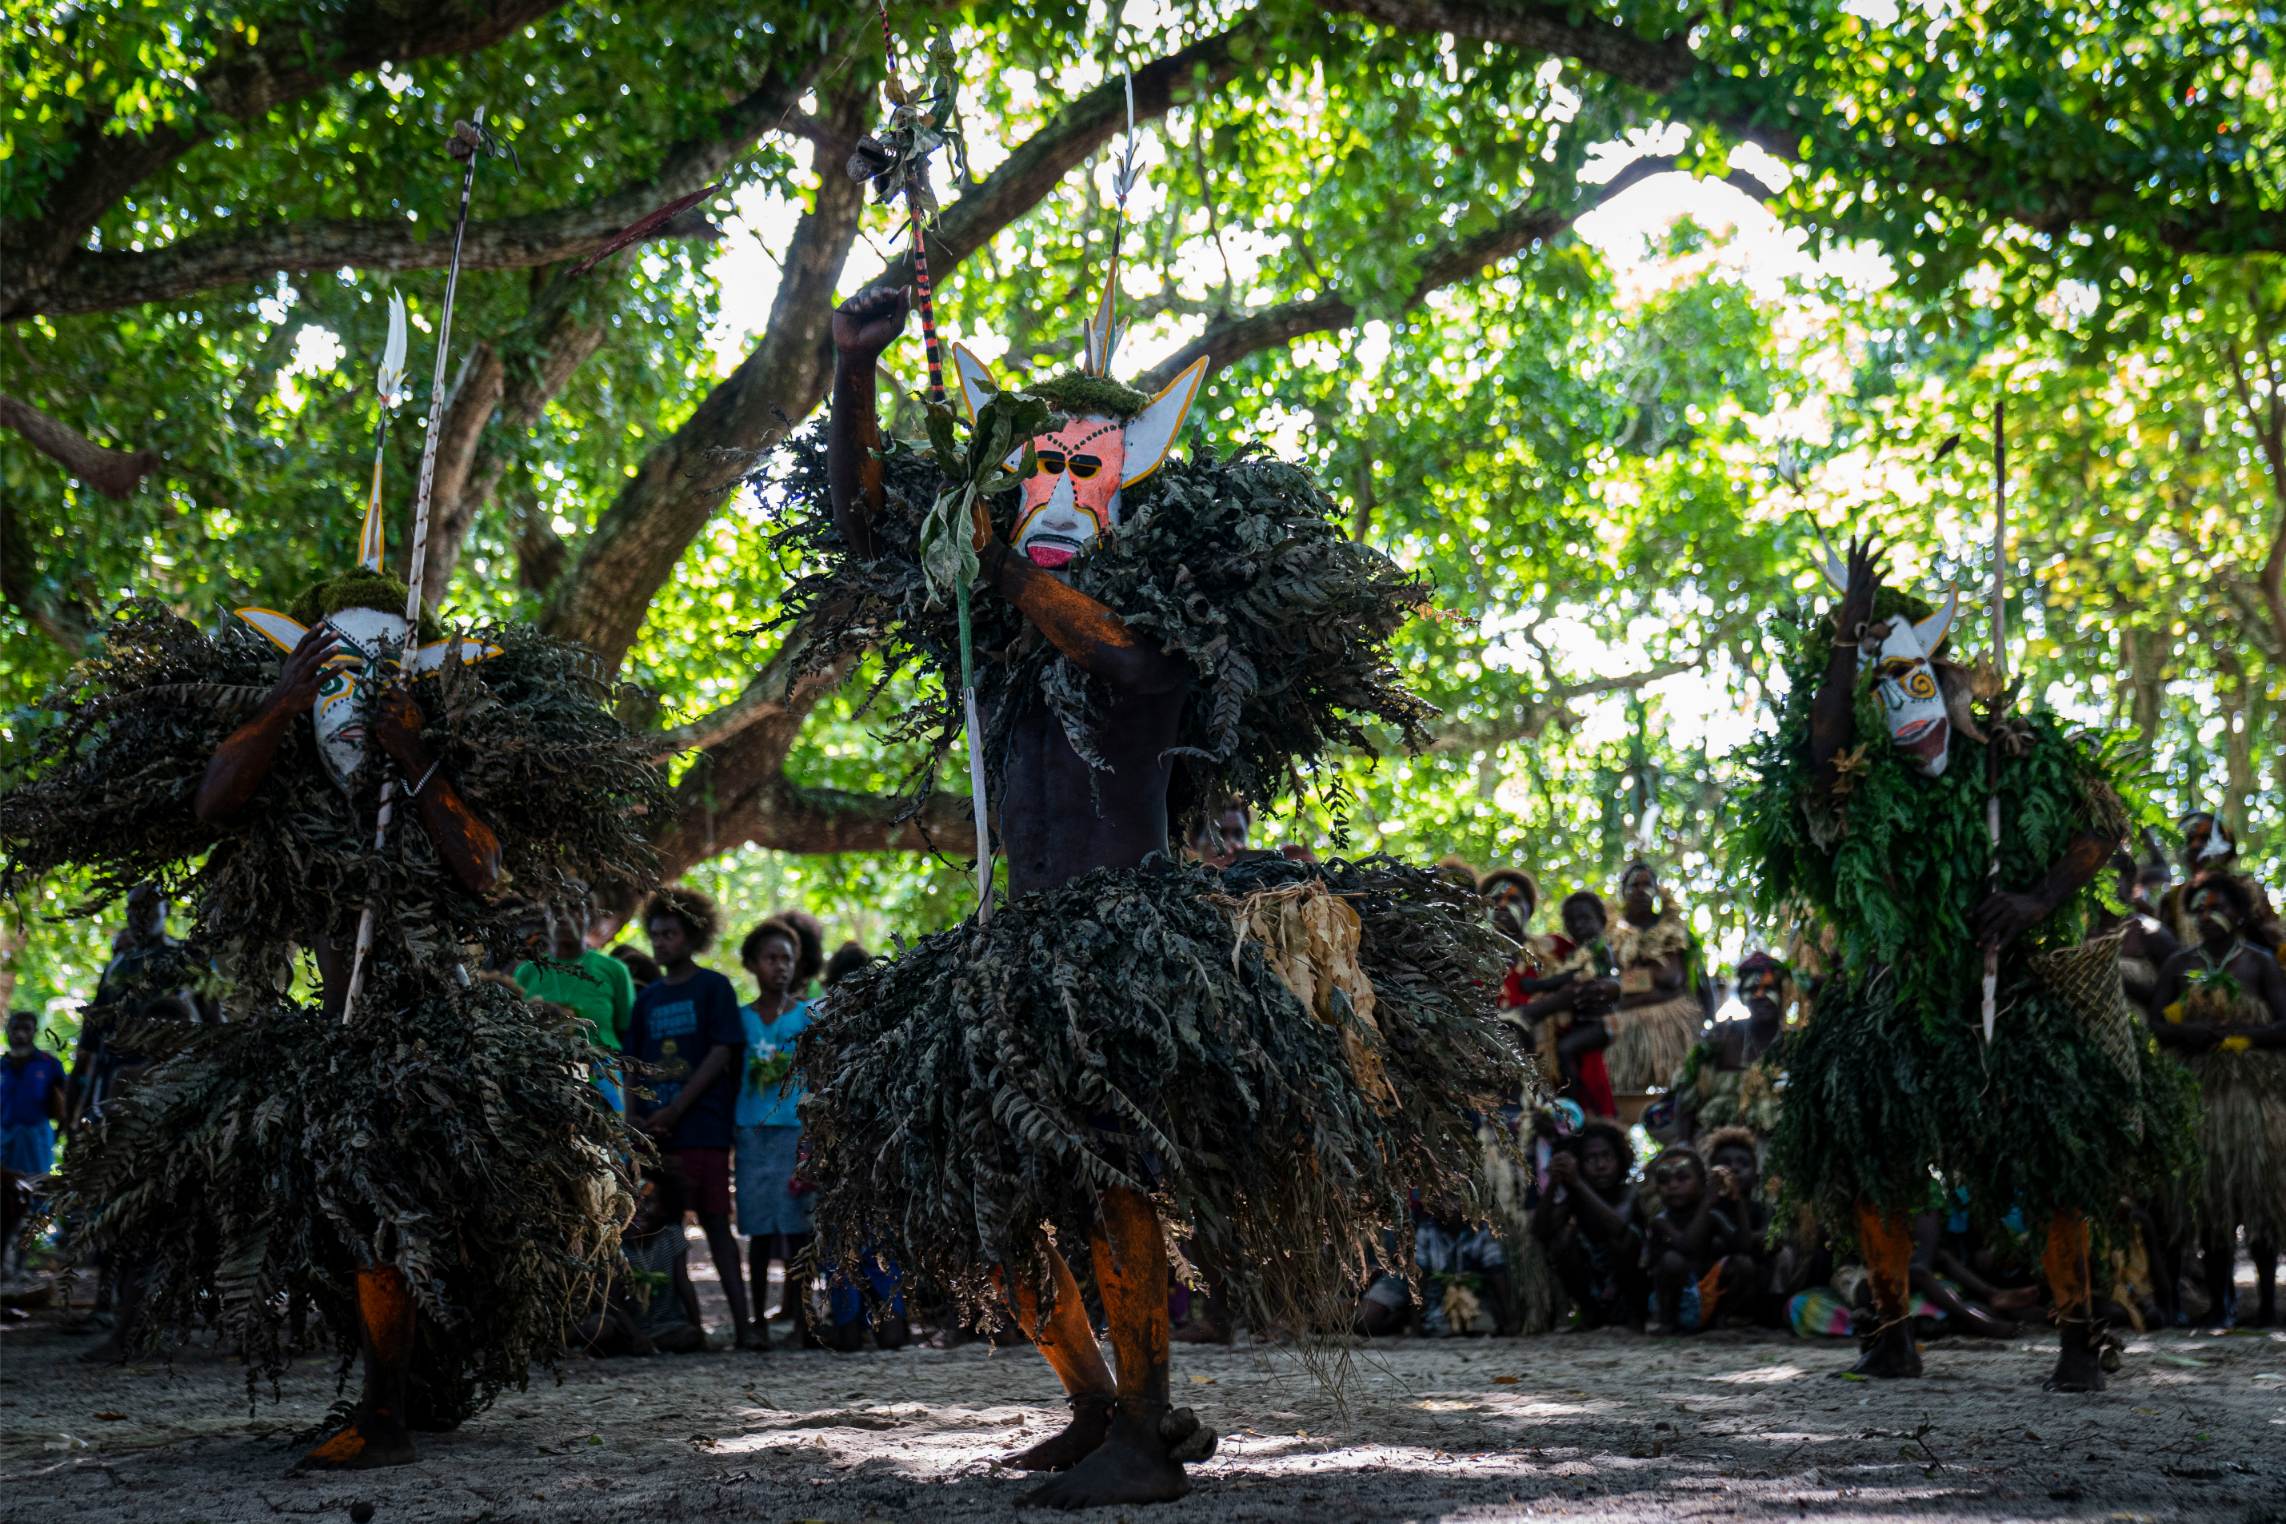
(687, 1039)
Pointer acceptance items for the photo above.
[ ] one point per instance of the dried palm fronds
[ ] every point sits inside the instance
(1238, 566)
(972, 1097)
(528, 738)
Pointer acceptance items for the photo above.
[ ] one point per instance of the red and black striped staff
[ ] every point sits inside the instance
(910, 130)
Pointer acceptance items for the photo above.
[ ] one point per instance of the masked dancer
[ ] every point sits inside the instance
(1869, 805)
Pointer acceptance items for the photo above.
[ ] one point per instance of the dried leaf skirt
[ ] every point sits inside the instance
(972, 1098)
(2047, 1118)
(2242, 1142)
(452, 1133)
(1649, 1043)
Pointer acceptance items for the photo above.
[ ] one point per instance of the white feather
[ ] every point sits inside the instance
(391, 382)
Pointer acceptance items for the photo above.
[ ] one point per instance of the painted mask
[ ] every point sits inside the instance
(371, 641)
(1911, 697)
(1905, 675)
(1082, 464)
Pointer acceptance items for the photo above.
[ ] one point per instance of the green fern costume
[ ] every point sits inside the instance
(2070, 1107)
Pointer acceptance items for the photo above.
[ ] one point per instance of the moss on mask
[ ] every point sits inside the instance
(1078, 396)
(359, 589)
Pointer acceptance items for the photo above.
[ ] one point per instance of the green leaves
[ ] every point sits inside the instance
(997, 456)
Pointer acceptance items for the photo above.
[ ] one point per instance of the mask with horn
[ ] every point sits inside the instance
(1922, 698)
(365, 608)
(1107, 437)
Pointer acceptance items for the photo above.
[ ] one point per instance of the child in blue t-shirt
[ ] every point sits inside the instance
(773, 1201)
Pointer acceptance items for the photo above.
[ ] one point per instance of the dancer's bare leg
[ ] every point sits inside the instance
(1059, 1328)
(1886, 1348)
(2079, 1360)
(1134, 1464)
(376, 1434)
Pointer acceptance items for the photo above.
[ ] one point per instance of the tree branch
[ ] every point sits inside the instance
(1760, 114)
(243, 83)
(1239, 335)
(97, 281)
(789, 817)
(1555, 29)
(1037, 166)
(492, 404)
(114, 473)
(1530, 714)
(684, 479)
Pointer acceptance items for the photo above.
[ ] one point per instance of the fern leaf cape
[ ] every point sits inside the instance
(2071, 1108)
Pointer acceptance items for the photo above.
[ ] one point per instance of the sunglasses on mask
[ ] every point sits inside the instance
(1053, 462)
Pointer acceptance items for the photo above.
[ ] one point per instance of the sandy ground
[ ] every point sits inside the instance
(1605, 1425)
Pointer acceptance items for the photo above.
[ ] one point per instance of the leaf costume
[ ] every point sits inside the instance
(1238, 566)
(446, 1129)
(1277, 1053)
(2242, 1116)
(2071, 1107)
(1650, 1042)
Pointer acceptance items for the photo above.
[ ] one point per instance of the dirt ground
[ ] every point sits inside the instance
(1727, 1426)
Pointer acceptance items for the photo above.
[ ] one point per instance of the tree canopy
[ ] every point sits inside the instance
(1428, 245)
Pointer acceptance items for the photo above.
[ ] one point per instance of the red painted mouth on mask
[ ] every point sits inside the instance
(1051, 552)
(1915, 735)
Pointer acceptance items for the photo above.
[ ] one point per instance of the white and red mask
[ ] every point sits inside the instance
(1912, 698)
(1080, 466)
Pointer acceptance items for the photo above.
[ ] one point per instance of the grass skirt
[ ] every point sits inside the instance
(2045, 1119)
(2242, 1142)
(972, 1098)
(451, 1133)
(1650, 1043)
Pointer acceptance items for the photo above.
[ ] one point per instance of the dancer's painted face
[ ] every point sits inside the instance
(1072, 495)
(1912, 699)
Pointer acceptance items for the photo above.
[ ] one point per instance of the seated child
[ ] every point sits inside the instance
(1588, 1222)
(1699, 1247)
(654, 1307)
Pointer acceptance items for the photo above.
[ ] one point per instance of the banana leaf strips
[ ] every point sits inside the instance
(971, 1097)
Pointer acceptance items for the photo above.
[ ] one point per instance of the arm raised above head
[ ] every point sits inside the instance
(863, 327)
(1832, 718)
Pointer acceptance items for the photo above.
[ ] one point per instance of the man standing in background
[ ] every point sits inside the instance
(689, 1040)
(595, 984)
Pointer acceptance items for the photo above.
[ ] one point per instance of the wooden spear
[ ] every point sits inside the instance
(467, 141)
(2000, 669)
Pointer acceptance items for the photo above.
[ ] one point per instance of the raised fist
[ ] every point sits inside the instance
(869, 322)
